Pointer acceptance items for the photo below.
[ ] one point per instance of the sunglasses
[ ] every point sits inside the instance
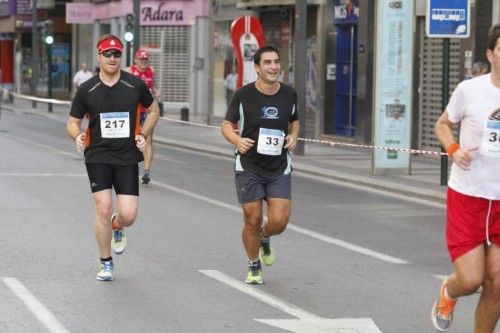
(108, 54)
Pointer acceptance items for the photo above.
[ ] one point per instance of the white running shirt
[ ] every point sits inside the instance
(475, 104)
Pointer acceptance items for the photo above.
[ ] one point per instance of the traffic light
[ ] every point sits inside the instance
(48, 33)
(129, 27)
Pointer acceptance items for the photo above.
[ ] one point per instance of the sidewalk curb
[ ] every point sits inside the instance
(367, 181)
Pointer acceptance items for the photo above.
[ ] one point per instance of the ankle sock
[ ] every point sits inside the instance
(254, 264)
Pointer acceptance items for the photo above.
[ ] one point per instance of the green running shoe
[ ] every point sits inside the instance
(267, 254)
(119, 240)
(254, 275)
(105, 272)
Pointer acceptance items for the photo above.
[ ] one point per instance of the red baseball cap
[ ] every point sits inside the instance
(142, 54)
(111, 43)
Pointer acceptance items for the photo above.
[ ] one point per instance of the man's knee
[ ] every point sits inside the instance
(103, 212)
(127, 218)
(471, 282)
(492, 281)
(277, 225)
(253, 221)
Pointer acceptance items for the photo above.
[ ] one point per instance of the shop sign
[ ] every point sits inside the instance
(152, 13)
(345, 11)
(247, 35)
(164, 13)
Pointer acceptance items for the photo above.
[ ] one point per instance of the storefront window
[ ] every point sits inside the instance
(224, 65)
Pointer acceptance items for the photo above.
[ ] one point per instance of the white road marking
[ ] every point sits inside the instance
(348, 246)
(440, 277)
(260, 295)
(38, 309)
(306, 322)
(310, 233)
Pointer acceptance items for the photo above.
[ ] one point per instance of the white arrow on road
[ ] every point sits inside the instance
(307, 322)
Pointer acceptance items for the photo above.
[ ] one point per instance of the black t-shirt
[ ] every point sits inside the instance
(268, 116)
(110, 109)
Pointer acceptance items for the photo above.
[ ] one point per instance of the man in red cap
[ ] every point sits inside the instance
(112, 143)
(143, 69)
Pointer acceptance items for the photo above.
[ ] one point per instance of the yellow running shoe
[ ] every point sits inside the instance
(267, 254)
(254, 275)
(119, 240)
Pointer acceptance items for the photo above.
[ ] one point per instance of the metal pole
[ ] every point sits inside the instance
(137, 27)
(49, 74)
(445, 93)
(34, 51)
(300, 67)
(351, 78)
(128, 54)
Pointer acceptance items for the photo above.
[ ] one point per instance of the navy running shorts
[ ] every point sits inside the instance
(124, 178)
(252, 187)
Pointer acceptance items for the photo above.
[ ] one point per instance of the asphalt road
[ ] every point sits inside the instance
(352, 260)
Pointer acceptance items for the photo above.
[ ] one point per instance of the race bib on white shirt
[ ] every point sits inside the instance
(490, 144)
(115, 125)
(270, 141)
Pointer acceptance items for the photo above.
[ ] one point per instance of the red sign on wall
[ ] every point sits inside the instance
(247, 36)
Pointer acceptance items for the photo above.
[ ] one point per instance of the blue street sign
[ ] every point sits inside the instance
(448, 18)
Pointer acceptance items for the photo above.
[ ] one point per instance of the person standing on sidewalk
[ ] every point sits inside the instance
(479, 68)
(145, 71)
(266, 112)
(81, 76)
(473, 198)
(112, 145)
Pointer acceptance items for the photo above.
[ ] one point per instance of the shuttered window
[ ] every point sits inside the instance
(431, 77)
(170, 54)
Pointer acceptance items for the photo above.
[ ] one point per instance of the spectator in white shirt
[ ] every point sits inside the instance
(81, 76)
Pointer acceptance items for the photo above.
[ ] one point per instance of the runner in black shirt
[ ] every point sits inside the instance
(266, 113)
(113, 143)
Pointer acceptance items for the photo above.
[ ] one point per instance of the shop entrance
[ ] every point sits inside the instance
(345, 87)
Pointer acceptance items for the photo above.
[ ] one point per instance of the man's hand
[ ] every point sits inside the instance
(80, 142)
(463, 157)
(244, 144)
(291, 142)
(140, 142)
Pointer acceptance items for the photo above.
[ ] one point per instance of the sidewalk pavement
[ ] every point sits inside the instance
(348, 165)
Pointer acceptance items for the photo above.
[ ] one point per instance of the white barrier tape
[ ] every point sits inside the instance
(331, 143)
(38, 99)
(189, 123)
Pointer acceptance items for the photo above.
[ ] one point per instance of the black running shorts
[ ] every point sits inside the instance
(252, 187)
(124, 178)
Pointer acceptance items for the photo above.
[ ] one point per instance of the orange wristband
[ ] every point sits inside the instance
(452, 148)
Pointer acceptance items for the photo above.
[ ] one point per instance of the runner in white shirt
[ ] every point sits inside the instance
(473, 199)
